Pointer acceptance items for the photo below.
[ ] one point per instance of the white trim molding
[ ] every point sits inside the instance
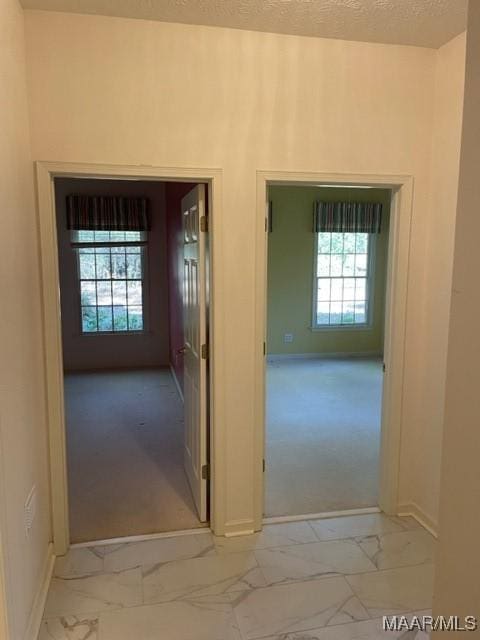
(413, 510)
(46, 172)
(337, 355)
(401, 187)
(36, 615)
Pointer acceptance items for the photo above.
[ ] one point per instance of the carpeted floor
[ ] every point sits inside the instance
(125, 455)
(323, 435)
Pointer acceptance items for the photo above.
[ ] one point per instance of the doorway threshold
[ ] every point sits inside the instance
(141, 538)
(321, 515)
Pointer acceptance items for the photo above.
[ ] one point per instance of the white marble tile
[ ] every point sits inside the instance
(272, 535)
(394, 590)
(399, 549)
(79, 561)
(135, 554)
(209, 618)
(69, 628)
(201, 576)
(313, 560)
(297, 606)
(366, 630)
(94, 593)
(353, 526)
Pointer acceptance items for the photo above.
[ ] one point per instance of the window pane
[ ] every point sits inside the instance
(119, 269)
(88, 294)
(135, 319)
(360, 288)
(87, 265)
(348, 312)
(324, 242)
(361, 265)
(134, 293)
(323, 313)
(324, 289)
(362, 242)
(117, 236)
(337, 242)
(119, 290)
(349, 242)
(134, 266)
(102, 236)
(104, 293)
(103, 266)
(89, 319)
(336, 265)
(120, 319)
(83, 236)
(336, 292)
(336, 313)
(105, 319)
(349, 265)
(323, 265)
(349, 289)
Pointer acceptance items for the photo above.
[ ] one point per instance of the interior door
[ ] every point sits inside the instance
(195, 346)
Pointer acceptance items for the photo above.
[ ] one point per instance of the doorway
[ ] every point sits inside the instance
(134, 319)
(401, 190)
(192, 214)
(326, 282)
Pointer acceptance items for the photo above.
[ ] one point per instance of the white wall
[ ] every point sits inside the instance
(457, 588)
(23, 439)
(421, 453)
(183, 96)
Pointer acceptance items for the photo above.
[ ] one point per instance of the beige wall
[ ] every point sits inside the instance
(457, 588)
(291, 250)
(23, 439)
(111, 351)
(183, 96)
(421, 454)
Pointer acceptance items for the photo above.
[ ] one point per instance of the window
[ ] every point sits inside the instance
(343, 284)
(111, 280)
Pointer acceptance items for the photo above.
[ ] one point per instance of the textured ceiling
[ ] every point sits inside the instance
(427, 23)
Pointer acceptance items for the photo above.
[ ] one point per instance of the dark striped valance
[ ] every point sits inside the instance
(348, 217)
(107, 213)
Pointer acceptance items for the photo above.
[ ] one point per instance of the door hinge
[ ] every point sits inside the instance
(206, 472)
(263, 465)
(266, 225)
(204, 224)
(264, 348)
(204, 351)
(384, 367)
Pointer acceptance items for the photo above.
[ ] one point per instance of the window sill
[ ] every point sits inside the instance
(342, 327)
(116, 334)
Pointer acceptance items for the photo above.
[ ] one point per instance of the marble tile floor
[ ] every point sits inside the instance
(329, 579)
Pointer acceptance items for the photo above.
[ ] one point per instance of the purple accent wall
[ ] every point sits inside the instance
(174, 192)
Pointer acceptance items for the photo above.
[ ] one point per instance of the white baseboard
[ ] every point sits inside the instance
(141, 538)
(272, 357)
(177, 384)
(413, 510)
(321, 515)
(36, 615)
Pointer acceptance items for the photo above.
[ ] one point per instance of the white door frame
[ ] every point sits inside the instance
(395, 318)
(46, 172)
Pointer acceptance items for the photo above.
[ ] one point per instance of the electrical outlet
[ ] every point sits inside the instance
(30, 510)
(288, 337)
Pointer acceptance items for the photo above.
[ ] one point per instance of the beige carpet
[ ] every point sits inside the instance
(323, 435)
(125, 455)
